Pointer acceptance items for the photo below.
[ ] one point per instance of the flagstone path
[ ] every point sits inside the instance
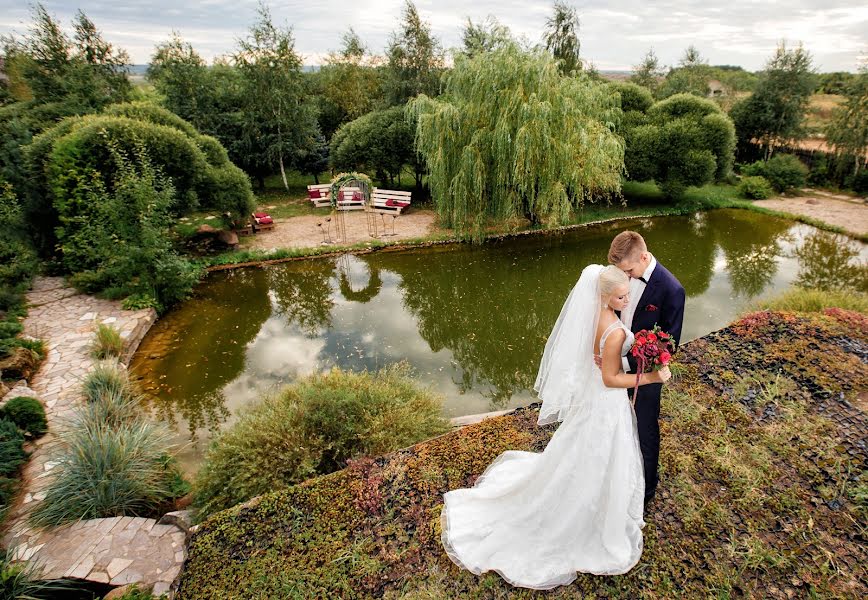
(118, 550)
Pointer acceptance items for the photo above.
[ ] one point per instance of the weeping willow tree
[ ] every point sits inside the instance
(512, 137)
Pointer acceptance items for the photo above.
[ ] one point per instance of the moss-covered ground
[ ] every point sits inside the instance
(764, 490)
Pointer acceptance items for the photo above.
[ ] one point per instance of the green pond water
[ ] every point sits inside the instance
(471, 320)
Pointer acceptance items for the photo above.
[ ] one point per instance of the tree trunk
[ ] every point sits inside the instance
(316, 178)
(283, 173)
(260, 179)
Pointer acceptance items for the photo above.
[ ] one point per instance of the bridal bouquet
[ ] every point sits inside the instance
(652, 351)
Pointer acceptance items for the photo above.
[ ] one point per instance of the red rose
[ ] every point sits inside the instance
(657, 361)
(652, 337)
(665, 357)
(664, 335)
(635, 352)
(640, 341)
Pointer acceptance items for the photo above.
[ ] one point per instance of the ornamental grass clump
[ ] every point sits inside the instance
(314, 427)
(811, 300)
(107, 343)
(112, 460)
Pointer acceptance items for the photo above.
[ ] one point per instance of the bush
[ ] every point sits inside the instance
(755, 187)
(107, 379)
(107, 470)
(12, 456)
(107, 343)
(313, 427)
(783, 171)
(812, 300)
(27, 413)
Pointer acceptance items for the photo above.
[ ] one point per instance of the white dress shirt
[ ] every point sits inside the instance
(637, 287)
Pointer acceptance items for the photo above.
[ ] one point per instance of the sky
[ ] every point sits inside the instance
(615, 34)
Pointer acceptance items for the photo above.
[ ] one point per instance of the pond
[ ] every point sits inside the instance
(471, 320)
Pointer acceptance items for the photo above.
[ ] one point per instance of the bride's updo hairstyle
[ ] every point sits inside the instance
(610, 278)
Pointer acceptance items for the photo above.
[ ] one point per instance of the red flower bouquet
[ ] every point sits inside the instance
(652, 350)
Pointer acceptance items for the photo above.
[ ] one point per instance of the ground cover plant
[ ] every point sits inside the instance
(764, 490)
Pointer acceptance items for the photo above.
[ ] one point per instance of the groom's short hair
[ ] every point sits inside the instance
(627, 244)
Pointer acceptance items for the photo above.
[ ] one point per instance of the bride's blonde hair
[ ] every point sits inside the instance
(610, 278)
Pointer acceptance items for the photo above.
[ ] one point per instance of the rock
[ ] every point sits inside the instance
(206, 229)
(230, 238)
(184, 501)
(20, 364)
(812, 201)
(3, 389)
(119, 592)
(180, 518)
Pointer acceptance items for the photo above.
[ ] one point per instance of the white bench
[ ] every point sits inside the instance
(351, 198)
(390, 201)
(320, 194)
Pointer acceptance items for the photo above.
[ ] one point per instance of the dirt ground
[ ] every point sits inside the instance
(848, 213)
(312, 230)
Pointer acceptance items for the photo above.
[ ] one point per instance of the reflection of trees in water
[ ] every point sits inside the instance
(492, 307)
(751, 244)
(303, 293)
(367, 293)
(200, 347)
(684, 246)
(830, 261)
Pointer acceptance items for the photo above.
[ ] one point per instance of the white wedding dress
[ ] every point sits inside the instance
(538, 518)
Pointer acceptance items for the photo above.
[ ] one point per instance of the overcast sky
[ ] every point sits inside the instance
(615, 34)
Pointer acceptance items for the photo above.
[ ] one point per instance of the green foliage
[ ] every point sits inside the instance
(815, 301)
(685, 141)
(634, 97)
(12, 453)
(774, 112)
(848, 131)
(648, 73)
(115, 240)
(312, 427)
(112, 461)
(755, 187)
(18, 263)
(539, 151)
(107, 343)
(561, 37)
(278, 120)
(349, 85)
(27, 413)
(380, 143)
(414, 60)
(485, 36)
(784, 172)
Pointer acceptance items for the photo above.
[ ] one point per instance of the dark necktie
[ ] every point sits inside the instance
(642, 279)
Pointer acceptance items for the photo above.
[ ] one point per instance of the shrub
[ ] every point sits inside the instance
(113, 407)
(755, 187)
(812, 300)
(108, 470)
(12, 453)
(783, 171)
(107, 343)
(314, 427)
(27, 413)
(107, 379)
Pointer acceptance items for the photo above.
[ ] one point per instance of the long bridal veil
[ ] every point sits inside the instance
(567, 360)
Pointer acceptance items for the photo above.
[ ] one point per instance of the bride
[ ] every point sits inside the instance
(537, 519)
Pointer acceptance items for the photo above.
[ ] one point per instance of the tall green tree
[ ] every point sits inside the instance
(485, 36)
(648, 73)
(691, 76)
(278, 120)
(178, 72)
(511, 136)
(774, 113)
(349, 84)
(561, 37)
(415, 60)
(848, 131)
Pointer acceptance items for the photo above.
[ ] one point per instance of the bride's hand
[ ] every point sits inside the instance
(663, 375)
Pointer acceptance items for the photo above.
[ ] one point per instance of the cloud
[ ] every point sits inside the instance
(615, 34)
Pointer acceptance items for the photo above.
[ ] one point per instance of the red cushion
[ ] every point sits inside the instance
(313, 194)
(398, 203)
(264, 220)
(357, 196)
(259, 215)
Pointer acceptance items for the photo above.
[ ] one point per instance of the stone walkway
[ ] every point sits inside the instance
(114, 551)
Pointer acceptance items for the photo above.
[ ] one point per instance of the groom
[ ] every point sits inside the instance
(656, 298)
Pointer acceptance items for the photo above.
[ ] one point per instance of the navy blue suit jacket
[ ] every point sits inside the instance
(662, 303)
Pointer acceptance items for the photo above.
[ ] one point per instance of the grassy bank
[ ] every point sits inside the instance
(642, 200)
(764, 490)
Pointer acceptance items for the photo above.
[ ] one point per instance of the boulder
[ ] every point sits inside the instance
(20, 364)
(208, 239)
(182, 519)
(230, 238)
(120, 592)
